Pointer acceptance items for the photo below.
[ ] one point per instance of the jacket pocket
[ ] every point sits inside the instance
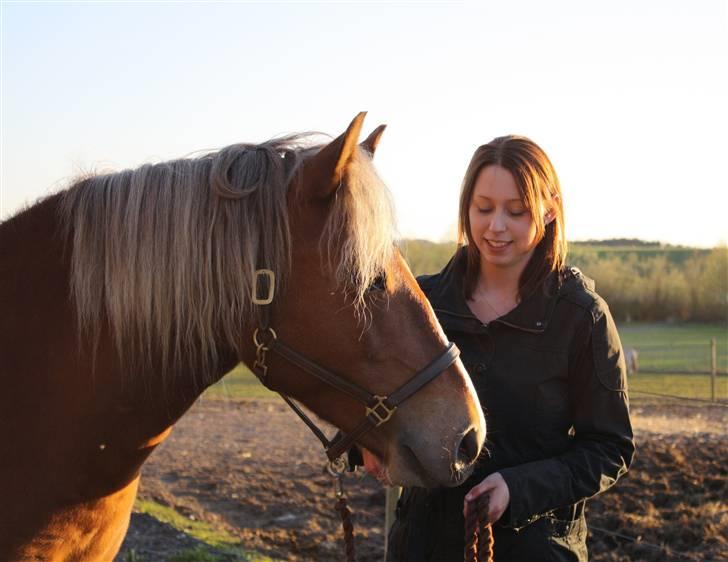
(567, 523)
(552, 391)
(552, 399)
(567, 540)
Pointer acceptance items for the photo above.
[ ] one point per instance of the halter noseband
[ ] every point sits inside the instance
(379, 409)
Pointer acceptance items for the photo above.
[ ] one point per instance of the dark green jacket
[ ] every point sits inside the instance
(551, 378)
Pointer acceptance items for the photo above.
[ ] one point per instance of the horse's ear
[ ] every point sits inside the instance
(371, 142)
(323, 173)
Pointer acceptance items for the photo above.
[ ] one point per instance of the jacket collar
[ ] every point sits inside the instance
(445, 292)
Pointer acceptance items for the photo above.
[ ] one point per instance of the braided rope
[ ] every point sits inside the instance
(345, 514)
(478, 535)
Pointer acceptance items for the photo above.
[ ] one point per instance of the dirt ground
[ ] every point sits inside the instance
(253, 469)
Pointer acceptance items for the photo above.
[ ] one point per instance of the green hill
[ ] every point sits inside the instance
(644, 281)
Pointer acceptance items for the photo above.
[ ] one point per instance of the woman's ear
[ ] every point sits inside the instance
(550, 215)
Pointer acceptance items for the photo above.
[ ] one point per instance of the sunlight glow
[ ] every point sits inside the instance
(628, 99)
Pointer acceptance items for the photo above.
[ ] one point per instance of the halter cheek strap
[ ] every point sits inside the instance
(378, 408)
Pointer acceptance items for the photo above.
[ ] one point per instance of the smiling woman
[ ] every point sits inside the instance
(545, 358)
(511, 207)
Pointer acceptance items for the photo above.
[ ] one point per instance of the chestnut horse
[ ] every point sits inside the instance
(125, 296)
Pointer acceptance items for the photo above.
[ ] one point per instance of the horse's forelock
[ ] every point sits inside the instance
(359, 236)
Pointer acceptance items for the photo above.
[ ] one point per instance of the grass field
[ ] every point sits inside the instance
(684, 347)
(239, 383)
(686, 386)
(217, 545)
(672, 347)
(677, 347)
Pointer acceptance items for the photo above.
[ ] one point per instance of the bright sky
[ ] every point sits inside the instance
(629, 98)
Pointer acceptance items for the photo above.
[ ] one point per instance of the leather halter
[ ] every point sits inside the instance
(379, 409)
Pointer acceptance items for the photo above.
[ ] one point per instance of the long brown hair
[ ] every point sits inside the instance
(539, 186)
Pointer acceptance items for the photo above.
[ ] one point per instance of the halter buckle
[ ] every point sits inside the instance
(271, 286)
(376, 410)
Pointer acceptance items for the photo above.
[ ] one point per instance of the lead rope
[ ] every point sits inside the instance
(336, 469)
(478, 535)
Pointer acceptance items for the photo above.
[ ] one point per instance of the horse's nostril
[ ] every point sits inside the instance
(468, 449)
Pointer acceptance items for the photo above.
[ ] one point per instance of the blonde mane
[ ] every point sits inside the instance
(164, 255)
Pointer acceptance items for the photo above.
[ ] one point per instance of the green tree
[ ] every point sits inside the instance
(708, 285)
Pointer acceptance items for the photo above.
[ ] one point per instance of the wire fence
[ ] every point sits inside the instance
(719, 402)
(684, 357)
(655, 547)
(693, 370)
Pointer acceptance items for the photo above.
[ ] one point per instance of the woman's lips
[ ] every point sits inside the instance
(497, 245)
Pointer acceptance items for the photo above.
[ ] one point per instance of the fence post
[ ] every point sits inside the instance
(713, 368)
(390, 505)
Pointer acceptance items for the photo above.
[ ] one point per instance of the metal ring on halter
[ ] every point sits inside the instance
(337, 467)
(264, 345)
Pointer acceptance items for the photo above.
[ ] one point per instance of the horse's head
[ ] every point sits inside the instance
(166, 257)
(351, 305)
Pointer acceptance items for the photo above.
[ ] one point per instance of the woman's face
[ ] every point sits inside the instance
(500, 225)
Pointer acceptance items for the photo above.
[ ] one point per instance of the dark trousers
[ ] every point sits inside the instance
(430, 528)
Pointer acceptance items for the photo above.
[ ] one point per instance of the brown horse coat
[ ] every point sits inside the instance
(78, 418)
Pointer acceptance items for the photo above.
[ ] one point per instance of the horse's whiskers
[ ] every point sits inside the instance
(484, 453)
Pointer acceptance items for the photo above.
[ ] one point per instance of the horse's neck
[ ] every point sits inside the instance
(39, 328)
(34, 287)
(31, 239)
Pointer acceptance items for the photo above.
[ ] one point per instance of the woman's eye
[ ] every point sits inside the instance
(518, 213)
(484, 210)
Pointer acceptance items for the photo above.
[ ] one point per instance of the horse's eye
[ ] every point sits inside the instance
(379, 284)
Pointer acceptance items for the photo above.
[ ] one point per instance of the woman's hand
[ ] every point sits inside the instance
(500, 496)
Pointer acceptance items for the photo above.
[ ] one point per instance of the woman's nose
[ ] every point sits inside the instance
(498, 223)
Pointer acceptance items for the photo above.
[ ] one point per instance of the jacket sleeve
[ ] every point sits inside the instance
(602, 446)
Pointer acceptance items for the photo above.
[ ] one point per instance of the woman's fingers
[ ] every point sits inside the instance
(496, 487)
(485, 486)
(472, 496)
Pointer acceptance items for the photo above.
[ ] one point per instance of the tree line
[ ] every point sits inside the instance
(664, 284)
